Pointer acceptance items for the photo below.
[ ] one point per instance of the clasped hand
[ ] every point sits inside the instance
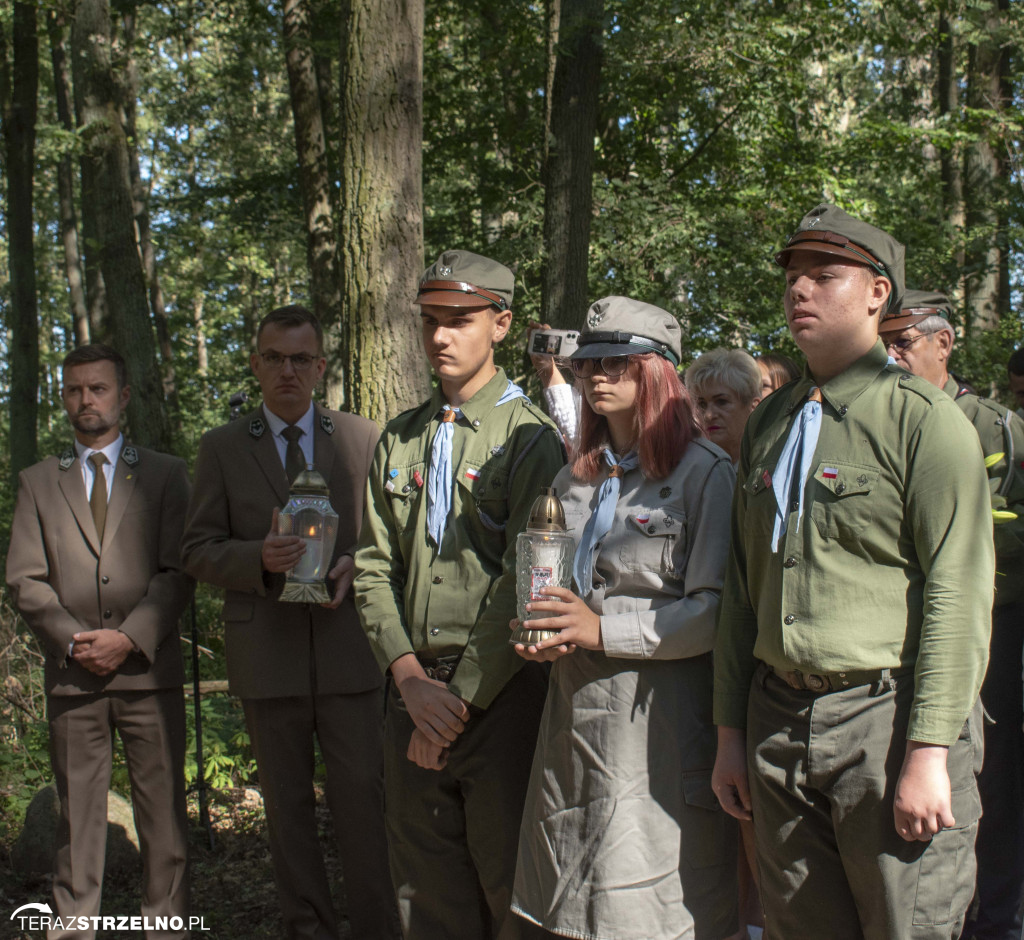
(577, 624)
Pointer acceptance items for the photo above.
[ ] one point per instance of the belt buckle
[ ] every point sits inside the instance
(816, 683)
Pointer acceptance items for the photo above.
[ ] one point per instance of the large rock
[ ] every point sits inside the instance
(32, 854)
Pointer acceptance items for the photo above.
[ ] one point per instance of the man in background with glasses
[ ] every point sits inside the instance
(920, 338)
(300, 670)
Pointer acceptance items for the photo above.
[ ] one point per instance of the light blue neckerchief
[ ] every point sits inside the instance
(600, 521)
(439, 474)
(800, 445)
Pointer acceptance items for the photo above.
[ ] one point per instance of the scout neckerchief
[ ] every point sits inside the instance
(439, 474)
(600, 522)
(794, 463)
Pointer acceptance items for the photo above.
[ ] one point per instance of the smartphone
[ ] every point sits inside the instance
(553, 342)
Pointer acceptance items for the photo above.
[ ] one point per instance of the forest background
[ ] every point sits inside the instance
(174, 170)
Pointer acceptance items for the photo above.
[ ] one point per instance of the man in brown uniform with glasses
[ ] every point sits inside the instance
(301, 671)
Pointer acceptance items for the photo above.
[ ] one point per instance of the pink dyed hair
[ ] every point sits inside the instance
(663, 422)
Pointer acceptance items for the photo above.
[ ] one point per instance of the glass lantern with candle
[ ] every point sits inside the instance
(309, 515)
(544, 553)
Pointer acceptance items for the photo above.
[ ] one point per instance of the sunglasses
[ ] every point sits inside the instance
(609, 365)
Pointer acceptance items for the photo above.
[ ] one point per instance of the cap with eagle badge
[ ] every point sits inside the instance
(463, 279)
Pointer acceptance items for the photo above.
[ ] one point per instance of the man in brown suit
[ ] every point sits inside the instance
(300, 670)
(95, 570)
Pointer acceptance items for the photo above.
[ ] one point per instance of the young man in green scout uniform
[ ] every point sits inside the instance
(451, 486)
(920, 338)
(855, 617)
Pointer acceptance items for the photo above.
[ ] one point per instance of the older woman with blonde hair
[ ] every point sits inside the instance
(726, 386)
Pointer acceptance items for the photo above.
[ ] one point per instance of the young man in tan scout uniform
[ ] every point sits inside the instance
(920, 338)
(451, 486)
(94, 569)
(304, 672)
(855, 618)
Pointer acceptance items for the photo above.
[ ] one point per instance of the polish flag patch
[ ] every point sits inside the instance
(767, 477)
(830, 473)
(643, 520)
(472, 473)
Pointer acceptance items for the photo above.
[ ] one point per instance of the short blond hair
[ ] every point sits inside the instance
(734, 368)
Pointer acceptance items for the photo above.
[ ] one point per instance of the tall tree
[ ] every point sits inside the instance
(56, 25)
(314, 181)
(381, 232)
(569, 163)
(19, 81)
(108, 198)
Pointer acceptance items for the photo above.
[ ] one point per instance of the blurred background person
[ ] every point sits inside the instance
(725, 385)
(561, 400)
(776, 370)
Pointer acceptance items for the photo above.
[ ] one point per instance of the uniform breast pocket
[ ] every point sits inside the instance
(650, 539)
(486, 488)
(408, 484)
(842, 504)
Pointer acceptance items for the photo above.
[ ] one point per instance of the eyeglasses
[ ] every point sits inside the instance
(300, 361)
(902, 344)
(609, 365)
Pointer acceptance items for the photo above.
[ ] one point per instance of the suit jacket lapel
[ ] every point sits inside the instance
(323, 447)
(265, 452)
(73, 488)
(120, 494)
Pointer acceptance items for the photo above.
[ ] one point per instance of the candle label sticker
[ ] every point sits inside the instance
(540, 577)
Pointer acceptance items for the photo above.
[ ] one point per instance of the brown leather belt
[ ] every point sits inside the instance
(833, 681)
(439, 668)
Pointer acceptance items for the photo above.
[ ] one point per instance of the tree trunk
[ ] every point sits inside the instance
(952, 156)
(381, 232)
(140, 210)
(985, 173)
(19, 81)
(57, 29)
(106, 162)
(568, 171)
(315, 183)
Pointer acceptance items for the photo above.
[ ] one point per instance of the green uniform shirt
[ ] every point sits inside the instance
(413, 598)
(1000, 432)
(892, 564)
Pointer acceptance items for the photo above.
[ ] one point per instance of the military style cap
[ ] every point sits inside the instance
(621, 326)
(918, 305)
(463, 279)
(829, 230)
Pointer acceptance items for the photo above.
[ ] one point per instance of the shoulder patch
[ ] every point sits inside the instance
(327, 424)
(67, 459)
(257, 427)
(130, 455)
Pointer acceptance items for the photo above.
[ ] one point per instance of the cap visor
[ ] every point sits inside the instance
(820, 248)
(891, 324)
(600, 350)
(451, 298)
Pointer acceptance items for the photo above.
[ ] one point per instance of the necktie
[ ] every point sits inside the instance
(439, 473)
(98, 496)
(294, 459)
(600, 522)
(789, 479)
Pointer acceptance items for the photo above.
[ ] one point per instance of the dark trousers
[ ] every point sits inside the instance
(349, 731)
(996, 912)
(453, 833)
(823, 772)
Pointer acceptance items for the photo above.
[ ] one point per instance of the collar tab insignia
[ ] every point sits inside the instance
(327, 424)
(130, 455)
(67, 459)
(257, 427)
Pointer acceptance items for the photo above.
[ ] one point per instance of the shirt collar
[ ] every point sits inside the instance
(112, 451)
(842, 390)
(476, 409)
(277, 425)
